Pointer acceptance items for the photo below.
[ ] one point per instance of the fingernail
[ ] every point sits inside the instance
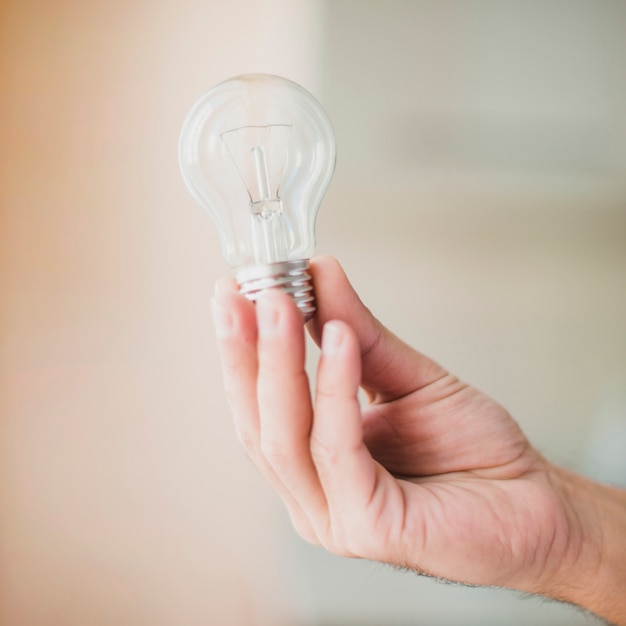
(267, 313)
(222, 318)
(332, 337)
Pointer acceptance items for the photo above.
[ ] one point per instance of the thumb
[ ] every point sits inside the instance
(391, 369)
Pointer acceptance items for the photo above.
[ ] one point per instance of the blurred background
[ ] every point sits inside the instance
(479, 206)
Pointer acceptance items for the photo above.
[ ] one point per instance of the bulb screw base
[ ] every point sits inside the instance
(292, 277)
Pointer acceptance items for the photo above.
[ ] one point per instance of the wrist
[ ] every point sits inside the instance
(592, 572)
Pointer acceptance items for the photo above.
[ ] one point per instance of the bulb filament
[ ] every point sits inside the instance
(260, 155)
(262, 179)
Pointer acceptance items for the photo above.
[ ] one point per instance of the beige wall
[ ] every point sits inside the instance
(482, 164)
(478, 205)
(124, 498)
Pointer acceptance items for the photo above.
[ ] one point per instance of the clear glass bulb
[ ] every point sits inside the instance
(257, 152)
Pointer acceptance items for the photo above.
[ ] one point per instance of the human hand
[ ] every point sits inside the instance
(431, 475)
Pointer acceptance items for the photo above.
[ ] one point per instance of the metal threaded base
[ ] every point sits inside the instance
(292, 277)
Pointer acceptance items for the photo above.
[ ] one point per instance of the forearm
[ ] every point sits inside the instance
(597, 580)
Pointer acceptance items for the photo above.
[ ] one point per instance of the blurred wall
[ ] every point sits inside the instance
(482, 163)
(124, 498)
(479, 207)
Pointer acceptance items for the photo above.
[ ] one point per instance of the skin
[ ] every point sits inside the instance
(430, 475)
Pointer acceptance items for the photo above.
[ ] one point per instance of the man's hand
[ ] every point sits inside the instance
(431, 475)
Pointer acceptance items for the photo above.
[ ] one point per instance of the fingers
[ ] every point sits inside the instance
(358, 490)
(236, 331)
(318, 462)
(391, 368)
(284, 401)
(344, 465)
(237, 337)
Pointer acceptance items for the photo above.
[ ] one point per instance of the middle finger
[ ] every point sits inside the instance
(285, 407)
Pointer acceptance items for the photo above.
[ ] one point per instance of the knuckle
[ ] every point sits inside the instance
(277, 454)
(324, 454)
(335, 537)
(335, 391)
(350, 541)
(326, 387)
(345, 536)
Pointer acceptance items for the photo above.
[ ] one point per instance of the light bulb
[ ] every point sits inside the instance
(257, 152)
